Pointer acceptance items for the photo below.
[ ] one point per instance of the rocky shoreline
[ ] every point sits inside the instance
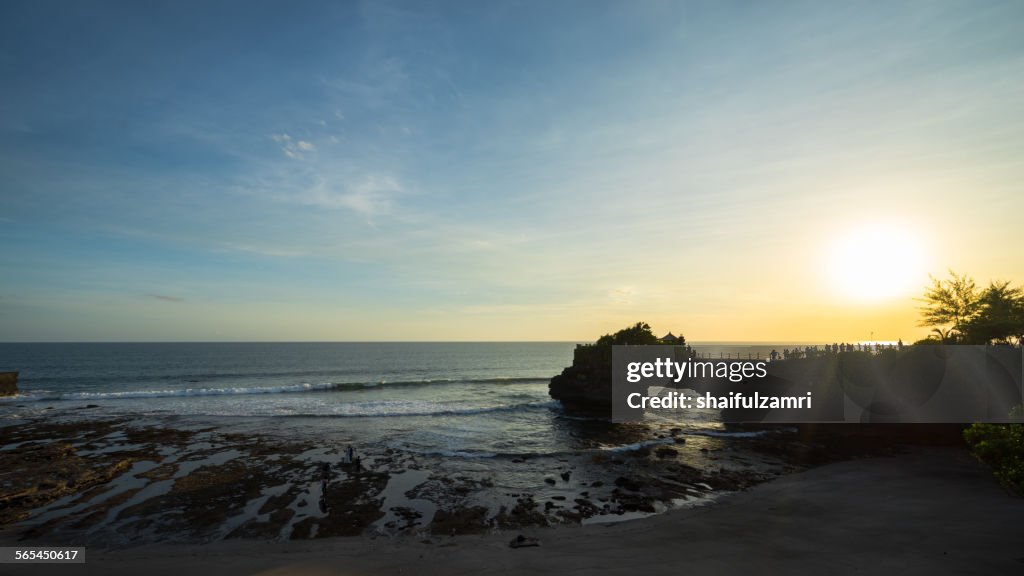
(854, 517)
(115, 482)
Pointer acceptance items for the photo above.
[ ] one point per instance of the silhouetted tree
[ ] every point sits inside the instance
(1000, 316)
(638, 334)
(951, 302)
(973, 316)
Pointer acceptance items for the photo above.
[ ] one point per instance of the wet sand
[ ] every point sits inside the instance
(930, 511)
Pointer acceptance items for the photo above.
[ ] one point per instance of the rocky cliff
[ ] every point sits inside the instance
(8, 383)
(586, 386)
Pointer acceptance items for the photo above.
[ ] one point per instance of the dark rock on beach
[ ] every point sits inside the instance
(665, 452)
(46, 472)
(470, 520)
(524, 513)
(627, 483)
(8, 383)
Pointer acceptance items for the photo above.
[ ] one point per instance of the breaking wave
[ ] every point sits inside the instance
(256, 390)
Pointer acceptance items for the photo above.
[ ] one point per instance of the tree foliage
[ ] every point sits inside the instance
(637, 334)
(950, 302)
(1001, 446)
(961, 313)
(1000, 317)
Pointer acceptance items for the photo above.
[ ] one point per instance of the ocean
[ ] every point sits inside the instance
(462, 399)
(479, 412)
(449, 398)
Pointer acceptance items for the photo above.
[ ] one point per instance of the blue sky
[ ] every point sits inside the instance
(498, 170)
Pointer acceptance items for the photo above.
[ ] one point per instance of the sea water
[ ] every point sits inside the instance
(471, 410)
(460, 399)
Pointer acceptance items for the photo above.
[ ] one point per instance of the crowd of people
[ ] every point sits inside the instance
(807, 351)
(836, 348)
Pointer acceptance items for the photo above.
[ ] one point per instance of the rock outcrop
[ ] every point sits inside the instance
(8, 383)
(586, 386)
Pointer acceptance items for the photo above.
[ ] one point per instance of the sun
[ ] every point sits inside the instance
(876, 262)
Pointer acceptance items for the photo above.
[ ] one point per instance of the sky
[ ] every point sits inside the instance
(732, 171)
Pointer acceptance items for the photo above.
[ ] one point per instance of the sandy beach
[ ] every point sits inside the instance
(932, 511)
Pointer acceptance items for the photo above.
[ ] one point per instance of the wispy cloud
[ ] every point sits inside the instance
(371, 195)
(383, 80)
(622, 295)
(166, 298)
(291, 147)
(277, 252)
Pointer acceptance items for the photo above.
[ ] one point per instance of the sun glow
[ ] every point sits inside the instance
(877, 262)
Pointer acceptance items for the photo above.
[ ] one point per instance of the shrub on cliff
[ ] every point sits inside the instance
(636, 335)
(1001, 446)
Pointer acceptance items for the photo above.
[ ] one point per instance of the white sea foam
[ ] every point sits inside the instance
(388, 408)
(639, 445)
(19, 398)
(450, 453)
(727, 434)
(35, 396)
(294, 388)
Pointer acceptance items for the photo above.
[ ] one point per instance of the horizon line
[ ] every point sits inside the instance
(587, 341)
